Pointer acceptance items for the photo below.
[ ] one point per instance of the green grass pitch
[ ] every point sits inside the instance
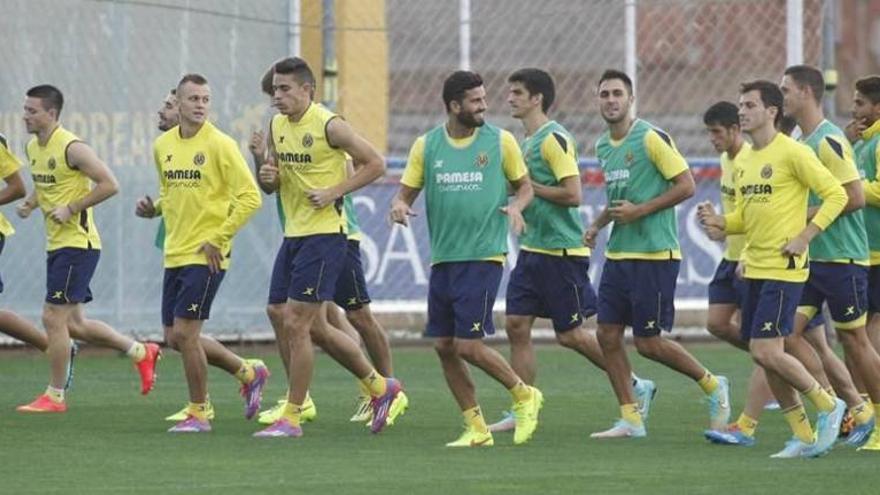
(112, 440)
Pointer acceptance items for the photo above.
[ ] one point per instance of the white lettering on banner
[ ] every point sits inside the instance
(410, 254)
(368, 245)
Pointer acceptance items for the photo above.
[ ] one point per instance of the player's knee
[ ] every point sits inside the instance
(648, 347)
(275, 312)
(569, 339)
(445, 348)
(168, 334)
(53, 318)
(718, 328)
(361, 319)
(468, 349)
(609, 338)
(518, 333)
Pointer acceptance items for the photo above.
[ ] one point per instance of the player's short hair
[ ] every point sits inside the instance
(770, 94)
(869, 86)
(197, 79)
(296, 67)
(611, 74)
(457, 84)
(786, 125)
(173, 92)
(266, 85)
(50, 97)
(723, 113)
(536, 81)
(809, 76)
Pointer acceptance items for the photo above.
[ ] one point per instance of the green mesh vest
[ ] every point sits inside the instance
(464, 189)
(866, 159)
(548, 225)
(630, 175)
(846, 237)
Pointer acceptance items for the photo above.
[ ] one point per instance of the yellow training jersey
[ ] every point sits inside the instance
(773, 184)
(206, 193)
(59, 184)
(306, 160)
(734, 243)
(9, 165)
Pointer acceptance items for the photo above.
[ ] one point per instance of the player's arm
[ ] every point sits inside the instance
(411, 184)
(673, 167)
(145, 207)
(265, 165)
(559, 153)
(810, 172)
(9, 168)
(245, 197)
(518, 176)
(838, 157)
(83, 158)
(368, 163)
(872, 187)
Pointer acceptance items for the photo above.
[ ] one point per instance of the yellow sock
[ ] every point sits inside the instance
(246, 373)
(708, 383)
(374, 383)
(799, 422)
(137, 352)
(363, 390)
(292, 413)
(862, 413)
(747, 425)
(474, 419)
(820, 398)
(630, 413)
(198, 410)
(521, 392)
(56, 394)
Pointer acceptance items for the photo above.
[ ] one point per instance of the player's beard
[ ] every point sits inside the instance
(469, 120)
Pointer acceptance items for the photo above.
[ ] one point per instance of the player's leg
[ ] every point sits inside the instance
(21, 329)
(724, 299)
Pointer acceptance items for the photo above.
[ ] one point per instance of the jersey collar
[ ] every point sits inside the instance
(871, 131)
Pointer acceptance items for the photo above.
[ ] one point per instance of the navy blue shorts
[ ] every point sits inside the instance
(816, 321)
(68, 274)
(768, 308)
(555, 287)
(844, 286)
(351, 287)
(460, 299)
(725, 287)
(188, 291)
(307, 268)
(639, 293)
(874, 289)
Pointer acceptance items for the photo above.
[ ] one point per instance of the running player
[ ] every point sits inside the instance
(645, 178)
(215, 352)
(839, 256)
(465, 167)
(307, 166)
(551, 278)
(63, 168)
(773, 180)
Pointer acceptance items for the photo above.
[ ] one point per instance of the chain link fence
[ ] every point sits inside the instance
(115, 60)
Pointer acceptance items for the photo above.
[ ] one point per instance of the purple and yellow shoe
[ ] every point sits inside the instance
(382, 405)
(281, 428)
(191, 424)
(252, 392)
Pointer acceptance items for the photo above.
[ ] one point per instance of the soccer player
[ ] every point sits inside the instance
(551, 278)
(63, 168)
(465, 167)
(839, 256)
(773, 180)
(215, 352)
(725, 289)
(645, 178)
(307, 166)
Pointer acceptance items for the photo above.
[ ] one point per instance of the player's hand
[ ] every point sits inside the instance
(590, 236)
(624, 211)
(854, 129)
(322, 197)
(213, 255)
(795, 247)
(517, 222)
(145, 208)
(704, 210)
(24, 209)
(257, 144)
(61, 214)
(714, 233)
(269, 173)
(400, 213)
